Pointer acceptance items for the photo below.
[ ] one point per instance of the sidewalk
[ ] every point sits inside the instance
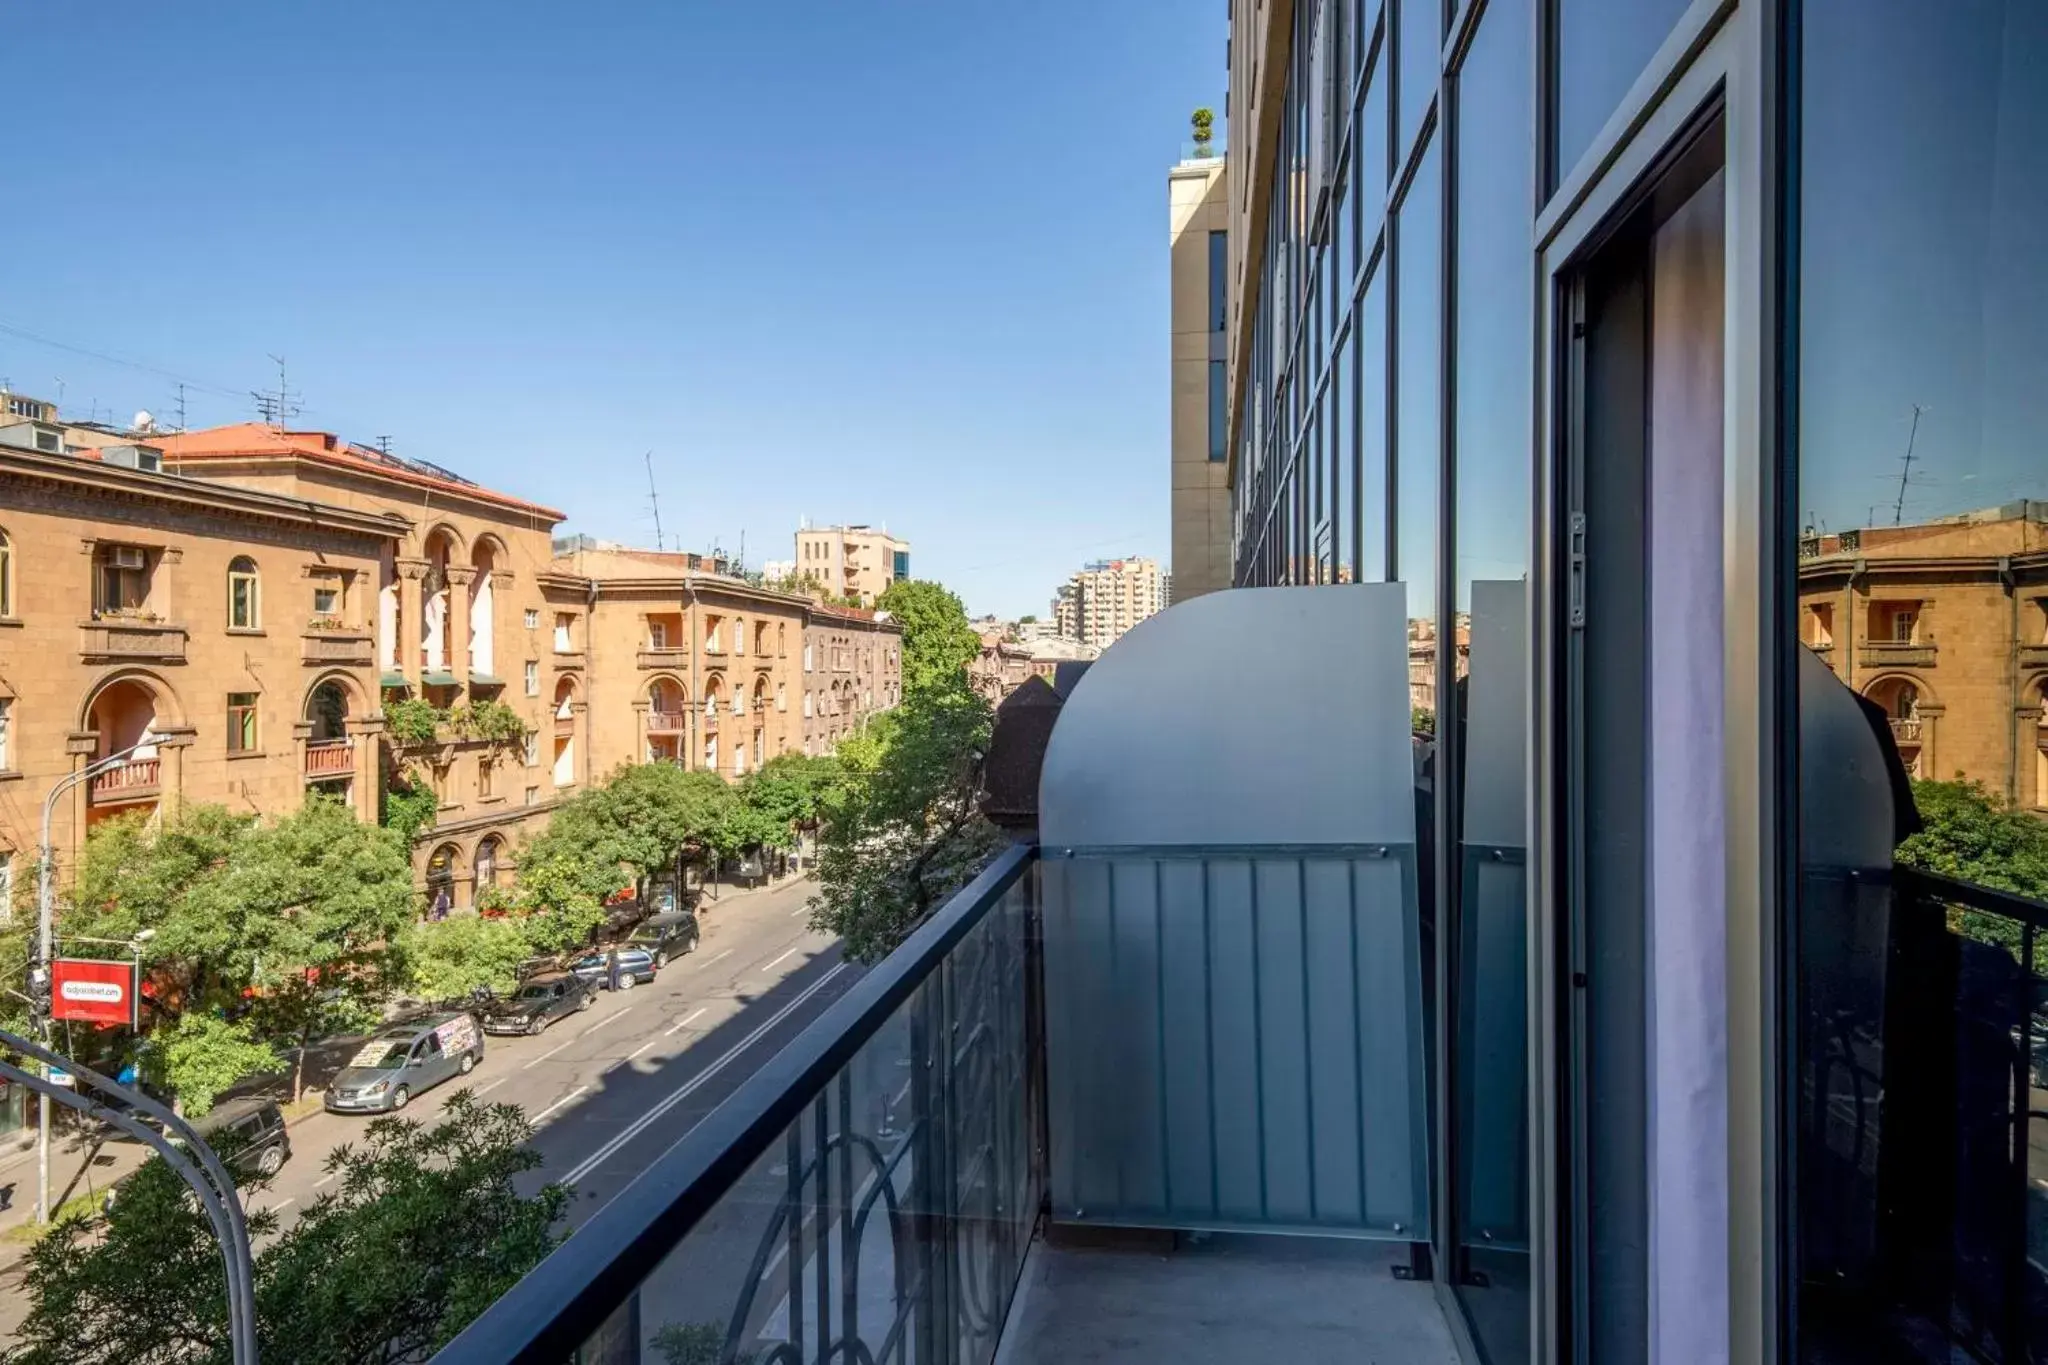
(82, 1164)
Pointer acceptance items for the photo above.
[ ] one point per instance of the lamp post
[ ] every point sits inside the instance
(46, 952)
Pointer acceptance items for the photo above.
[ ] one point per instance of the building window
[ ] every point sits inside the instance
(807, 657)
(326, 601)
(657, 633)
(532, 678)
(121, 586)
(781, 701)
(242, 593)
(1219, 277)
(6, 577)
(533, 796)
(807, 706)
(565, 632)
(242, 723)
(1219, 408)
(529, 753)
(532, 619)
(6, 722)
(486, 778)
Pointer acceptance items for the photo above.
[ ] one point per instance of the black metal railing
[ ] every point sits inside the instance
(1923, 1123)
(867, 1196)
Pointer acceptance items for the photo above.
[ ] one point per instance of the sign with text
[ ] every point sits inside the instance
(92, 992)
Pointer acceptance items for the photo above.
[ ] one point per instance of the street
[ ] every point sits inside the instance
(609, 1089)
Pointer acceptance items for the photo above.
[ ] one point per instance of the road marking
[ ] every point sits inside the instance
(549, 1053)
(487, 1089)
(326, 1179)
(684, 1022)
(282, 1205)
(718, 957)
(642, 1048)
(558, 1104)
(784, 958)
(696, 1082)
(602, 1022)
(800, 910)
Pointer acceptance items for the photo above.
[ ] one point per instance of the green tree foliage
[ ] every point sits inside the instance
(902, 829)
(791, 789)
(1422, 720)
(413, 720)
(200, 1056)
(489, 719)
(938, 643)
(446, 959)
(1971, 834)
(262, 933)
(695, 1343)
(409, 804)
(423, 1229)
(619, 835)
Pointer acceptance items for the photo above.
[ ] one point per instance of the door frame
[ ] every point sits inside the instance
(1724, 51)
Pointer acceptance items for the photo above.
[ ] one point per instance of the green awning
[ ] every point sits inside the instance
(393, 680)
(438, 680)
(485, 680)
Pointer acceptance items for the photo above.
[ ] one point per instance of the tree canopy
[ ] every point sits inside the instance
(937, 641)
(424, 1227)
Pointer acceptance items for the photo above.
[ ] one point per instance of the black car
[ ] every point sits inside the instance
(665, 936)
(636, 967)
(539, 1002)
(248, 1134)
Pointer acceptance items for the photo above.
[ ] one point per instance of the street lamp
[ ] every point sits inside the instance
(46, 950)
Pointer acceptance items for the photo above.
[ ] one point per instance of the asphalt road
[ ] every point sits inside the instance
(611, 1088)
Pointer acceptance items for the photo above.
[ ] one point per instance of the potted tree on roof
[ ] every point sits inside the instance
(1203, 121)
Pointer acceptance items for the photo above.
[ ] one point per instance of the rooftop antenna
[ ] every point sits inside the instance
(280, 406)
(181, 405)
(384, 445)
(1906, 470)
(653, 500)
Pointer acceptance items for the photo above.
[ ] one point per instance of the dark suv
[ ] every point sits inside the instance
(665, 936)
(247, 1134)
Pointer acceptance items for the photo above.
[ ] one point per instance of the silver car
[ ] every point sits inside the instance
(402, 1061)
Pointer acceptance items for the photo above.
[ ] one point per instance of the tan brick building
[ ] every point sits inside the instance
(1945, 625)
(220, 635)
(857, 562)
(462, 611)
(852, 667)
(1198, 215)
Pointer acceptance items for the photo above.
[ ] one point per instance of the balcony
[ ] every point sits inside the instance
(662, 657)
(114, 639)
(667, 722)
(565, 726)
(330, 758)
(337, 648)
(138, 779)
(2034, 656)
(568, 660)
(1895, 654)
(1906, 730)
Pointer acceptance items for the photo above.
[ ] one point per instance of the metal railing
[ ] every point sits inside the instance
(1923, 1118)
(330, 758)
(124, 781)
(867, 1195)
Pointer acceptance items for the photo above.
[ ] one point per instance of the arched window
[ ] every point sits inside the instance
(486, 864)
(441, 882)
(243, 604)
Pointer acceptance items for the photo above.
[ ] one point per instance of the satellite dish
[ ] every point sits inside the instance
(144, 422)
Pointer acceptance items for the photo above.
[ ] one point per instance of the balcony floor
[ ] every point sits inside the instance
(1223, 1301)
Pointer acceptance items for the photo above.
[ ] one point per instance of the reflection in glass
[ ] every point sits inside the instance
(1492, 456)
(1372, 428)
(1602, 46)
(1922, 303)
(1420, 33)
(1417, 447)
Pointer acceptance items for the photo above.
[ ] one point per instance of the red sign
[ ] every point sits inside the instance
(92, 992)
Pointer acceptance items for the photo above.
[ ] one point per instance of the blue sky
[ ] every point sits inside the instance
(888, 261)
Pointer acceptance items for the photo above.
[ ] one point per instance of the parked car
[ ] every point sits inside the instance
(402, 1061)
(247, 1133)
(539, 1002)
(666, 935)
(636, 966)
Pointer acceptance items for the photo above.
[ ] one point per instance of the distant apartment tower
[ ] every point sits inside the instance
(1198, 208)
(859, 562)
(1097, 605)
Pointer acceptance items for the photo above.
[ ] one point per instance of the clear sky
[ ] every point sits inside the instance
(897, 261)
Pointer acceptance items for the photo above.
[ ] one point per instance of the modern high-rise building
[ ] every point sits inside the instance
(1198, 214)
(857, 562)
(1107, 597)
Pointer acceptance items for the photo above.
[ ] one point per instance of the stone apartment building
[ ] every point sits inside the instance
(464, 610)
(1107, 598)
(1944, 624)
(1198, 212)
(852, 668)
(856, 562)
(220, 636)
(1000, 667)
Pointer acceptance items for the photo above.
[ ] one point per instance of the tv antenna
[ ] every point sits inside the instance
(281, 405)
(1906, 468)
(653, 500)
(181, 405)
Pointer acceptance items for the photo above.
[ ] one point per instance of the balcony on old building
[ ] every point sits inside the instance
(1156, 1093)
(323, 644)
(330, 758)
(136, 780)
(108, 638)
(662, 656)
(1895, 654)
(660, 722)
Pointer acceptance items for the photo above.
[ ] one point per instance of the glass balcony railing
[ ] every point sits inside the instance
(869, 1194)
(1924, 1119)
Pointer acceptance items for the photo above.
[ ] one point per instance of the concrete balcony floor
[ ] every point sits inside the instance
(1221, 1301)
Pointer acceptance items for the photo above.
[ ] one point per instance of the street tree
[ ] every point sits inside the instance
(938, 643)
(446, 959)
(424, 1227)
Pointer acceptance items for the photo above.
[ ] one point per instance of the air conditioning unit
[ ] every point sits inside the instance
(128, 557)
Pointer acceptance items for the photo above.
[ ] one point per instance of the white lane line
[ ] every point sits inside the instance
(549, 1053)
(642, 1048)
(685, 1021)
(487, 1089)
(602, 1022)
(780, 960)
(800, 910)
(691, 1086)
(558, 1104)
(717, 957)
(326, 1179)
(282, 1205)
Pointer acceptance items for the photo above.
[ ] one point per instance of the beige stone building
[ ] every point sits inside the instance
(1000, 668)
(852, 668)
(1198, 215)
(464, 610)
(1108, 597)
(1944, 624)
(221, 637)
(857, 562)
